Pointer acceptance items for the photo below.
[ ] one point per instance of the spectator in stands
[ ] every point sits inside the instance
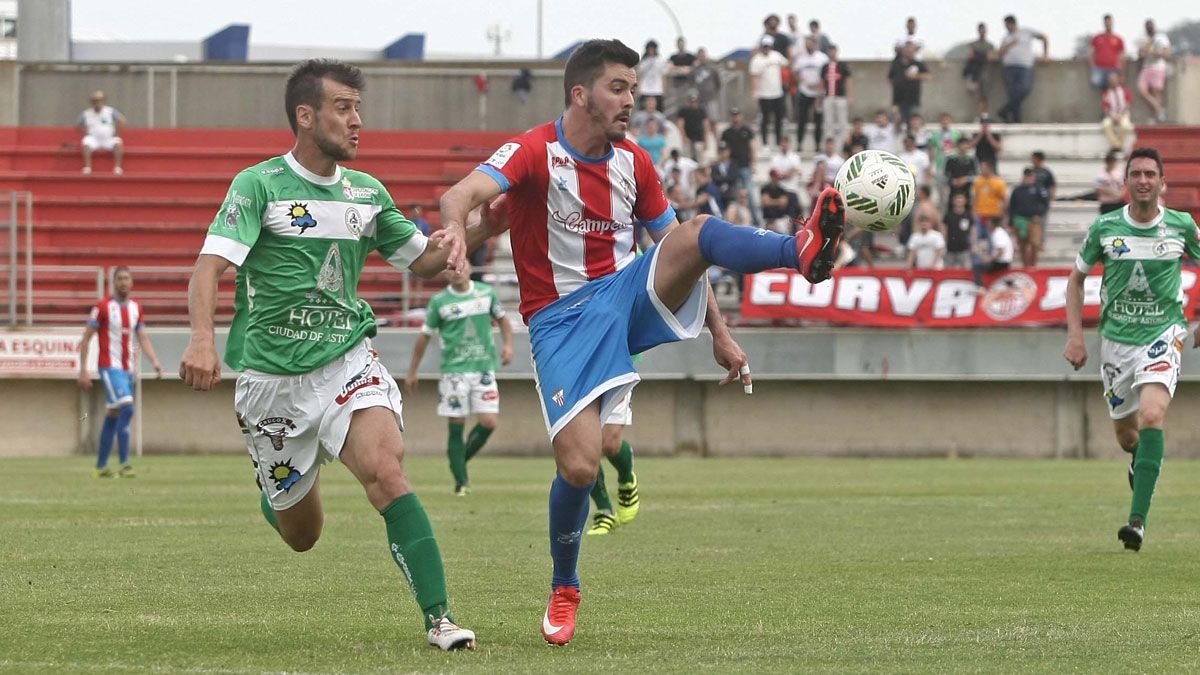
(838, 94)
(942, 142)
(725, 173)
(780, 41)
(807, 64)
(522, 84)
(1153, 52)
(1026, 210)
(653, 141)
(787, 163)
(1043, 176)
(708, 196)
(681, 64)
(960, 230)
(695, 127)
(737, 211)
(881, 135)
(1017, 59)
(833, 161)
(739, 138)
(116, 320)
(926, 246)
(794, 32)
(1106, 55)
(824, 42)
(917, 161)
(651, 71)
(637, 122)
(856, 137)
(998, 255)
(975, 69)
(924, 208)
(779, 206)
(682, 199)
(906, 75)
(961, 169)
(921, 135)
(416, 215)
(1110, 184)
(766, 80)
(706, 80)
(1116, 101)
(988, 194)
(686, 165)
(987, 143)
(101, 126)
(910, 38)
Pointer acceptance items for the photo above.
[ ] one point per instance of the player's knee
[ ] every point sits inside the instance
(488, 422)
(1127, 439)
(693, 225)
(610, 444)
(579, 471)
(302, 541)
(1151, 416)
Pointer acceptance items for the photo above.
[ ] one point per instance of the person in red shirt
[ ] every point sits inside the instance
(1106, 54)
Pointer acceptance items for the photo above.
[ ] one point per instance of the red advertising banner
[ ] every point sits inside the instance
(927, 299)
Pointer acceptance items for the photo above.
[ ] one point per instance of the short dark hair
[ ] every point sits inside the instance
(589, 60)
(1038, 155)
(1010, 19)
(304, 86)
(1145, 152)
(925, 190)
(1107, 17)
(120, 268)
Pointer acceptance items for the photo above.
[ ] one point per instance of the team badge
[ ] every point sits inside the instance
(354, 221)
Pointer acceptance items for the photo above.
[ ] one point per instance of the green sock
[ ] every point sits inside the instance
(416, 552)
(1145, 471)
(457, 453)
(267, 511)
(623, 463)
(600, 494)
(476, 439)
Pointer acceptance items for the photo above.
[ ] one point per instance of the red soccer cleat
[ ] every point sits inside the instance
(558, 623)
(817, 243)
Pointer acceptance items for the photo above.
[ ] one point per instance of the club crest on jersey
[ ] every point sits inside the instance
(354, 222)
(352, 192)
(301, 218)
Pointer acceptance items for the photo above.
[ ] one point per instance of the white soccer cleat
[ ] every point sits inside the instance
(448, 636)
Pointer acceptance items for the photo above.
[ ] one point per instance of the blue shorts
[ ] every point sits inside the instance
(583, 343)
(118, 387)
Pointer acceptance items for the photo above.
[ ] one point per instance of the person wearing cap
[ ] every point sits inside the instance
(1016, 60)
(766, 80)
(694, 126)
(101, 126)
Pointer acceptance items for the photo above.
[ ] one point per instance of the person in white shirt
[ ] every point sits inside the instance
(101, 126)
(807, 64)
(651, 71)
(881, 135)
(999, 255)
(788, 164)
(833, 161)
(910, 37)
(1153, 52)
(1016, 60)
(916, 159)
(766, 79)
(926, 246)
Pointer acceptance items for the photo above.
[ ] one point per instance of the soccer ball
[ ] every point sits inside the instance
(878, 188)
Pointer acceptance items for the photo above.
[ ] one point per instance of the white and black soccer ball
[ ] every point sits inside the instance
(879, 190)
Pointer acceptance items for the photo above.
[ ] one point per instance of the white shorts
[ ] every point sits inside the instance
(1124, 368)
(101, 142)
(293, 424)
(623, 413)
(462, 394)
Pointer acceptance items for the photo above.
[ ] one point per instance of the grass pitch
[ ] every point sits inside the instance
(734, 565)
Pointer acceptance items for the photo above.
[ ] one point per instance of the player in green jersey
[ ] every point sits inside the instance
(1142, 325)
(298, 228)
(462, 314)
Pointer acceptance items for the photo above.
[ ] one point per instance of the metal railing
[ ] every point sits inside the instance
(18, 201)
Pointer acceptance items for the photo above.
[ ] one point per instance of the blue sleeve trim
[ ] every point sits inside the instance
(496, 176)
(661, 221)
(93, 324)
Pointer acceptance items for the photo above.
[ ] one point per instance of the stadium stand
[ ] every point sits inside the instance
(154, 217)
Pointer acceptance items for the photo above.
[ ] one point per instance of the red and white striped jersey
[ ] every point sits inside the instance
(115, 323)
(572, 217)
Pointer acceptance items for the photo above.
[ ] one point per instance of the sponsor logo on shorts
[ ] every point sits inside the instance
(1113, 399)
(559, 398)
(1111, 371)
(485, 379)
(490, 395)
(1157, 349)
(360, 381)
(454, 402)
(1157, 367)
(276, 429)
(285, 475)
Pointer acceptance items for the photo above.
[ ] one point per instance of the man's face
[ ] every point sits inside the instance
(1027, 178)
(609, 101)
(881, 120)
(1108, 24)
(1035, 160)
(829, 147)
(982, 29)
(1149, 27)
(336, 123)
(946, 120)
(736, 119)
(1144, 181)
(1010, 26)
(910, 26)
(97, 103)
(963, 148)
(122, 283)
(910, 144)
(960, 203)
(702, 55)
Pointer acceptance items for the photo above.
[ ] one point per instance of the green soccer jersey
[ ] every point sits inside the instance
(299, 241)
(464, 322)
(1141, 294)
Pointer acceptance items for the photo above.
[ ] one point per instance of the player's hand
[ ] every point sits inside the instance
(200, 367)
(158, 371)
(495, 216)
(1076, 352)
(410, 385)
(506, 353)
(452, 238)
(731, 357)
(85, 381)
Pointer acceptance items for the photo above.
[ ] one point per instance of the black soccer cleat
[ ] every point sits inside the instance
(1132, 534)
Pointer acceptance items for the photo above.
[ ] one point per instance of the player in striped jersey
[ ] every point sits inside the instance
(575, 189)
(115, 320)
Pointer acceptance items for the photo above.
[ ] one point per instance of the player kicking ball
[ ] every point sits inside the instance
(311, 390)
(575, 188)
(462, 314)
(1142, 325)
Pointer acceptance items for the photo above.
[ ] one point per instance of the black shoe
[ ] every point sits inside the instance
(1132, 534)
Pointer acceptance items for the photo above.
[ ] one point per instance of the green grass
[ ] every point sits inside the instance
(749, 565)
